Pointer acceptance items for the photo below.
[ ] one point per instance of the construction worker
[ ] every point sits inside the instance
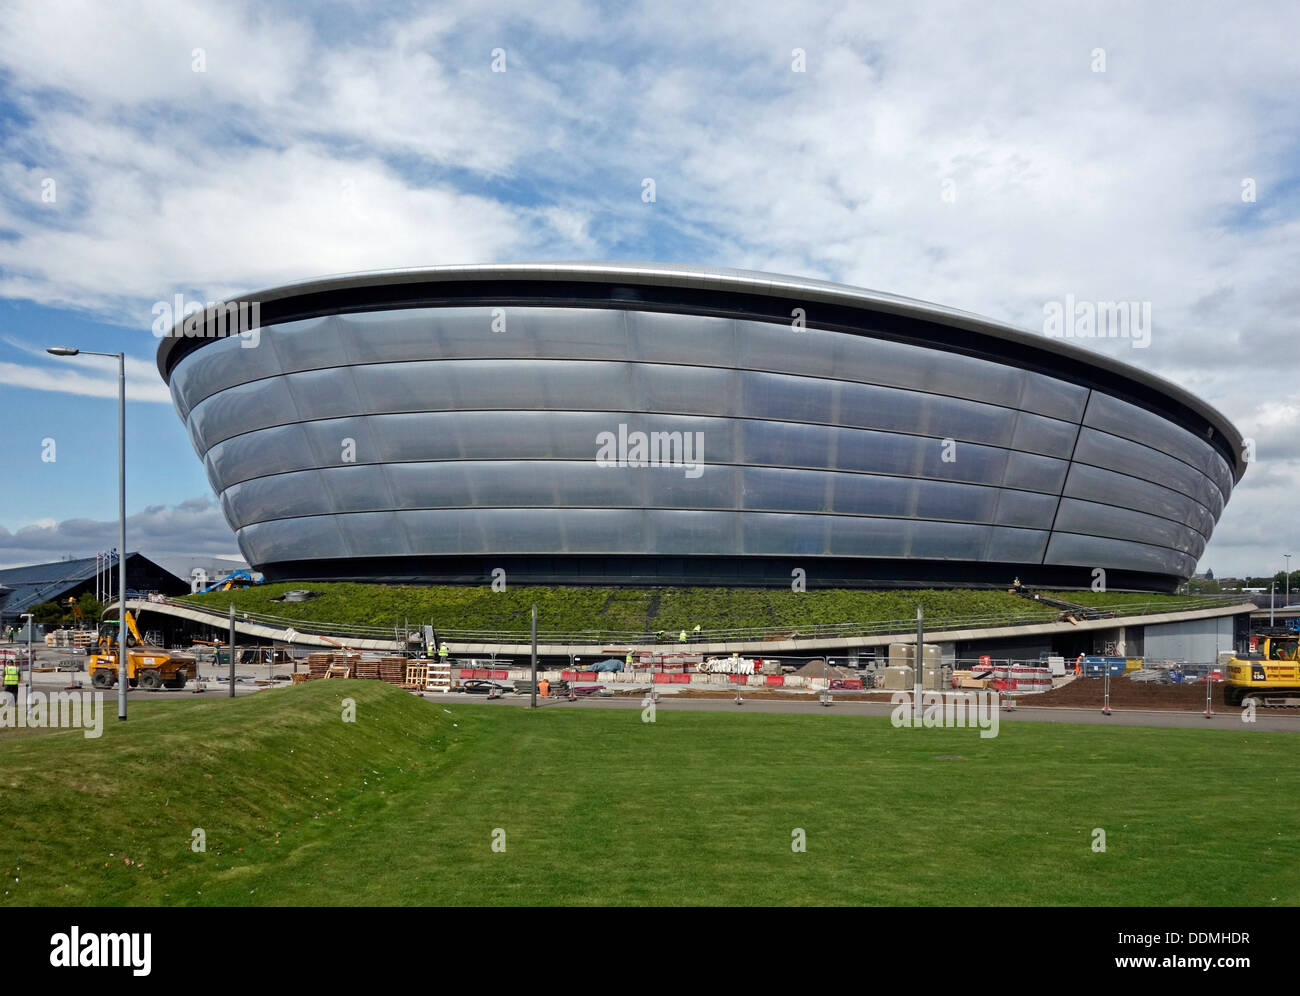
(696, 631)
(628, 659)
(442, 653)
(681, 638)
(11, 680)
(544, 688)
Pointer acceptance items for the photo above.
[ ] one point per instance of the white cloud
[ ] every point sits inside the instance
(344, 143)
(192, 528)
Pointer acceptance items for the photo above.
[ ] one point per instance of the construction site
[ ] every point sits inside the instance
(1082, 656)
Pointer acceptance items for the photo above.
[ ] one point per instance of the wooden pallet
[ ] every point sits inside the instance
(417, 675)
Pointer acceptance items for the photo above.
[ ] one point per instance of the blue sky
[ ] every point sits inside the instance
(339, 137)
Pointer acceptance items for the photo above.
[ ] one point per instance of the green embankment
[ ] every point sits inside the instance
(595, 806)
(637, 610)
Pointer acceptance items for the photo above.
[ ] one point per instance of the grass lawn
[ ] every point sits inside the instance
(597, 807)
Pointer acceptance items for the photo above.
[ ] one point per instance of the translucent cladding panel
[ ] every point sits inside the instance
(573, 483)
(520, 530)
(309, 344)
(602, 530)
(506, 332)
(1023, 508)
(1016, 546)
(1053, 398)
(1108, 487)
(923, 368)
(666, 487)
(955, 502)
(441, 385)
(437, 435)
(774, 534)
(279, 497)
(242, 408)
(677, 389)
(865, 537)
(1091, 551)
(362, 488)
(1031, 472)
(1113, 453)
(220, 364)
(258, 454)
(1120, 523)
(786, 490)
(412, 334)
(947, 541)
(673, 532)
(785, 444)
(342, 441)
(776, 396)
(872, 494)
(1039, 434)
(313, 538)
(325, 393)
(1123, 419)
(871, 407)
(373, 534)
(178, 402)
(446, 484)
(866, 494)
(717, 440)
(593, 333)
(916, 456)
(442, 531)
(784, 349)
(684, 339)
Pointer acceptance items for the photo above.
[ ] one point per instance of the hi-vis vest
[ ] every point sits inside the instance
(682, 637)
(11, 674)
(442, 650)
(628, 659)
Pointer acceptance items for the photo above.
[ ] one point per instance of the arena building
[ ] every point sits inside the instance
(640, 424)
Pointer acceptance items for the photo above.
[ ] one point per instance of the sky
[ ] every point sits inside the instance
(992, 158)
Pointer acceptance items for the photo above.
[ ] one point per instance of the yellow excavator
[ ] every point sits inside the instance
(1270, 674)
(147, 666)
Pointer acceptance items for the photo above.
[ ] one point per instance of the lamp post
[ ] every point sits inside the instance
(1287, 558)
(121, 513)
(28, 683)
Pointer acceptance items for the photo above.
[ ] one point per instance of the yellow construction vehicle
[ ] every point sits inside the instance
(1270, 674)
(146, 666)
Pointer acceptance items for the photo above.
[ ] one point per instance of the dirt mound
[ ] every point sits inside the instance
(1089, 693)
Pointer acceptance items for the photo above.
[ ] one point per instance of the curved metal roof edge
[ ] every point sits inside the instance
(740, 281)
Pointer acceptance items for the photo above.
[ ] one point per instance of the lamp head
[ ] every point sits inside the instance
(62, 350)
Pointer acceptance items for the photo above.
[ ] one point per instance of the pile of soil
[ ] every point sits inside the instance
(819, 669)
(1089, 693)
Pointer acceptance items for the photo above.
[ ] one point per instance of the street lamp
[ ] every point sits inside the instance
(121, 513)
(31, 621)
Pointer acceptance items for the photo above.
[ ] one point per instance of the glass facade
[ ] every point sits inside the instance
(435, 432)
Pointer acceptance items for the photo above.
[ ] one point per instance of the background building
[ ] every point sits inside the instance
(440, 424)
(22, 588)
